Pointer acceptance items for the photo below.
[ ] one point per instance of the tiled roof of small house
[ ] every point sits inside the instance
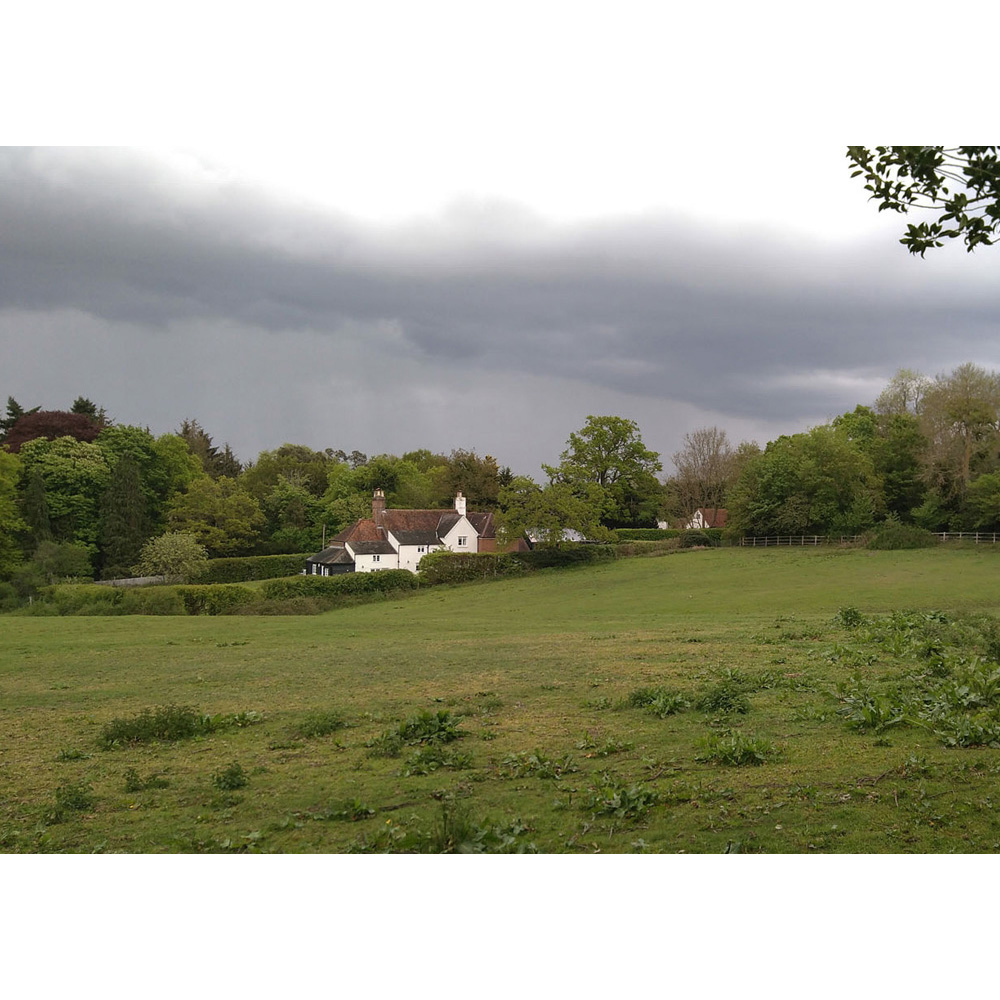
(371, 548)
(714, 517)
(361, 531)
(416, 537)
(334, 555)
(482, 521)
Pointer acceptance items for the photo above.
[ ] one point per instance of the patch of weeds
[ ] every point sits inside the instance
(169, 723)
(422, 728)
(73, 754)
(611, 797)
(536, 765)
(866, 710)
(849, 617)
(488, 735)
(661, 702)
(489, 701)
(455, 832)
(598, 704)
(230, 778)
(74, 798)
(134, 783)
(319, 724)
(351, 812)
(724, 698)
(436, 757)
(605, 749)
(737, 750)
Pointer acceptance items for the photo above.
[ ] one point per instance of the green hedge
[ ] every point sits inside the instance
(568, 555)
(342, 585)
(464, 567)
(246, 568)
(215, 598)
(91, 599)
(645, 534)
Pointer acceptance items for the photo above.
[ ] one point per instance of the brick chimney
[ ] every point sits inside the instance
(378, 507)
(460, 503)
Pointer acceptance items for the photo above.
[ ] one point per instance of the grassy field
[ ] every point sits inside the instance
(682, 703)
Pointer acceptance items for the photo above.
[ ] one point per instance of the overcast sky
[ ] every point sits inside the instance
(422, 226)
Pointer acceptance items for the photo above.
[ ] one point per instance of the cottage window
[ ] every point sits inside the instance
(376, 558)
(421, 548)
(463, 540)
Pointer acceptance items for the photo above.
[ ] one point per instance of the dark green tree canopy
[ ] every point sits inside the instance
(961, 183)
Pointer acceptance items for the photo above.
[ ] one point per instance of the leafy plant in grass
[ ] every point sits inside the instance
(319, 724)
(605, 749)
(435, 757)
(72, 754)
(724, 698)
(612, 797)
(134, 783)
(73, 798)
(536, 765)
(231, 778)
(737, 750)
(455, 832)
(350, 811)
(424, 727)
(169, 723)
(661, 702)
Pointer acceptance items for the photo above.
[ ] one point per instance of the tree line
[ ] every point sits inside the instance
(82, 495)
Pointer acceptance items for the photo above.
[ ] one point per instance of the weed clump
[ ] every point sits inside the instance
(737, 750)
(231, 778)
(74, 798)
(422, 728)
(319, 724)
(169, 723)
(613, 798)
(537, 765)
(436, 757)
(455, 832)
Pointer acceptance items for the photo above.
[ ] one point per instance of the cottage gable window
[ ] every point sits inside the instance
(463, 540)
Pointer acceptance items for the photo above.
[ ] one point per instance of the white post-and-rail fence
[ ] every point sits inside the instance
(763, 541)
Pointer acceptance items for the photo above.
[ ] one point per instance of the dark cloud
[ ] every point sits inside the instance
(761, 330)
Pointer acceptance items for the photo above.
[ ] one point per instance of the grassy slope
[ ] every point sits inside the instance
(532, 664)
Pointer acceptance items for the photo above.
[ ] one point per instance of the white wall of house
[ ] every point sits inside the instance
(410, 555)
(462, 530)
(373, 563)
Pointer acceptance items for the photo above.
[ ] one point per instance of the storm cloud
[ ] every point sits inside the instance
(164, 296)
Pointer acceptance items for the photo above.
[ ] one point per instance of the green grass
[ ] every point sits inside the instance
(535, 676)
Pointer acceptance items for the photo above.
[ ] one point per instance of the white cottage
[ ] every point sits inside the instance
(399, 539)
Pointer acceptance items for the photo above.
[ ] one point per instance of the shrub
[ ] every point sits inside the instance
(345, 584)
(693, 539)
(645, 534)
(174, 554)
(464, 567)
(565, 555)
(246, 568)
(215, 598)
(893, 534)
